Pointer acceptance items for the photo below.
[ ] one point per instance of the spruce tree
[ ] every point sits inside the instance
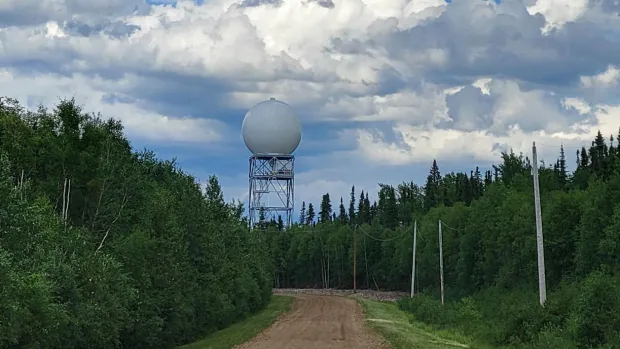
(342, 216)
(310, 215)
(562, 173)
(361, 210)
(432, 188)
(325, 214)
(352, 215)
(302, 213)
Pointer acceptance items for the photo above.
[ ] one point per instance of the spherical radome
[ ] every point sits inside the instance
(271, 127)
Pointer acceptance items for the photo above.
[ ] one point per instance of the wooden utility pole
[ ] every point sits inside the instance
(355, 259)
(441, 261)
(542, 287)
(415, 234)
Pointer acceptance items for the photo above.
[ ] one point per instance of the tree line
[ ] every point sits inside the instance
(105, 247)
(489, 247)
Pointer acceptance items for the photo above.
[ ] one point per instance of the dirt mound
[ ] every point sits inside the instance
(370, 294)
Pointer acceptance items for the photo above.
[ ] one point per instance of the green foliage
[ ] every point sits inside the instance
(595, 319)
(401, 333)
(101, 247)
(489, 250)
(244, 330)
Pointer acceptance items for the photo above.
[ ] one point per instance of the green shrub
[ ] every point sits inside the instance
(429, 310)
(594, 319)
(551, 338)
(466, 312)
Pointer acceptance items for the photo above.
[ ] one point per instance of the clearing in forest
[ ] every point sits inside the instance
(319, 322)
(329, 320)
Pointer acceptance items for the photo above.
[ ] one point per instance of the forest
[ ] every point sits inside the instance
(103, 246)
(489, 249)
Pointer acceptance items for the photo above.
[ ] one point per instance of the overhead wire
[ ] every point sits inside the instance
(314, 230)
(449, 227)
(383, 240)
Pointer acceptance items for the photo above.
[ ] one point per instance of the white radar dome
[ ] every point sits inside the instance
(271, 127)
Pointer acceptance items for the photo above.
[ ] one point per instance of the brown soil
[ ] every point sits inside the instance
(369, 294)
(319, 322)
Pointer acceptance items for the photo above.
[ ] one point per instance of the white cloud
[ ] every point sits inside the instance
(607, 79)
(578, 104)
(420, 144)
(390, 82)
(91, 93)
(558, 12)
(406, 105)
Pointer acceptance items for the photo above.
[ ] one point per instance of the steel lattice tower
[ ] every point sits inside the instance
(271, 188)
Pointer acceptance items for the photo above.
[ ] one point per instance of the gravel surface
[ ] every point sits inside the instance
(318, 322)
(370, 294)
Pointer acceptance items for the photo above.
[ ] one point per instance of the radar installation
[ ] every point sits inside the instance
(271, 131)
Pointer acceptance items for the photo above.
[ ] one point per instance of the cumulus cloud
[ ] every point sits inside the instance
(98, 95)
(609, 78)
(33, 12)
(378, 84)
(450, 144)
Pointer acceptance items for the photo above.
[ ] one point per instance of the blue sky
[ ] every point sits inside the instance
(381, 87)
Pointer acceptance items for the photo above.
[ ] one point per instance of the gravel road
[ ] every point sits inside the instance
(370, 294)
(318, 322)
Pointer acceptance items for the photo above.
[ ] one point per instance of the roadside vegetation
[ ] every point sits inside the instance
(245, 330)
(489, 248)
(402, 331)
(103, 247)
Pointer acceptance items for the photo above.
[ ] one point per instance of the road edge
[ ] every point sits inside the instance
(248, 328)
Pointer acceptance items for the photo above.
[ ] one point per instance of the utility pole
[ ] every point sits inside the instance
(415, 233)
(542, 288)
(441, 261)
(355, 259)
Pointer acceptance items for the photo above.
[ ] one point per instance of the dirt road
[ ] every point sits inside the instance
(319, 322)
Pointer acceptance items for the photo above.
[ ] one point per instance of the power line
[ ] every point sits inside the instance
(384, 240)
(315, 230)
(449, 227)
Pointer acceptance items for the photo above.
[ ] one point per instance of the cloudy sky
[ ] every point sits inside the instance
(382, 87)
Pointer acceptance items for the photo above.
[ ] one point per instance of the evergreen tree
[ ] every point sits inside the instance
(310, 215)
(476, 184)
(342, 216)
(362, 210)
(488, 179)
(584, 159)
(388, 210)
(562, 172)
(598, 154)
(262, 220)
(302, 213)
(369, 212)
(325, 214)
(432, 190)
(352, 215)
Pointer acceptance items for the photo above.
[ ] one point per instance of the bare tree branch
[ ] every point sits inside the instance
(113, 222)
